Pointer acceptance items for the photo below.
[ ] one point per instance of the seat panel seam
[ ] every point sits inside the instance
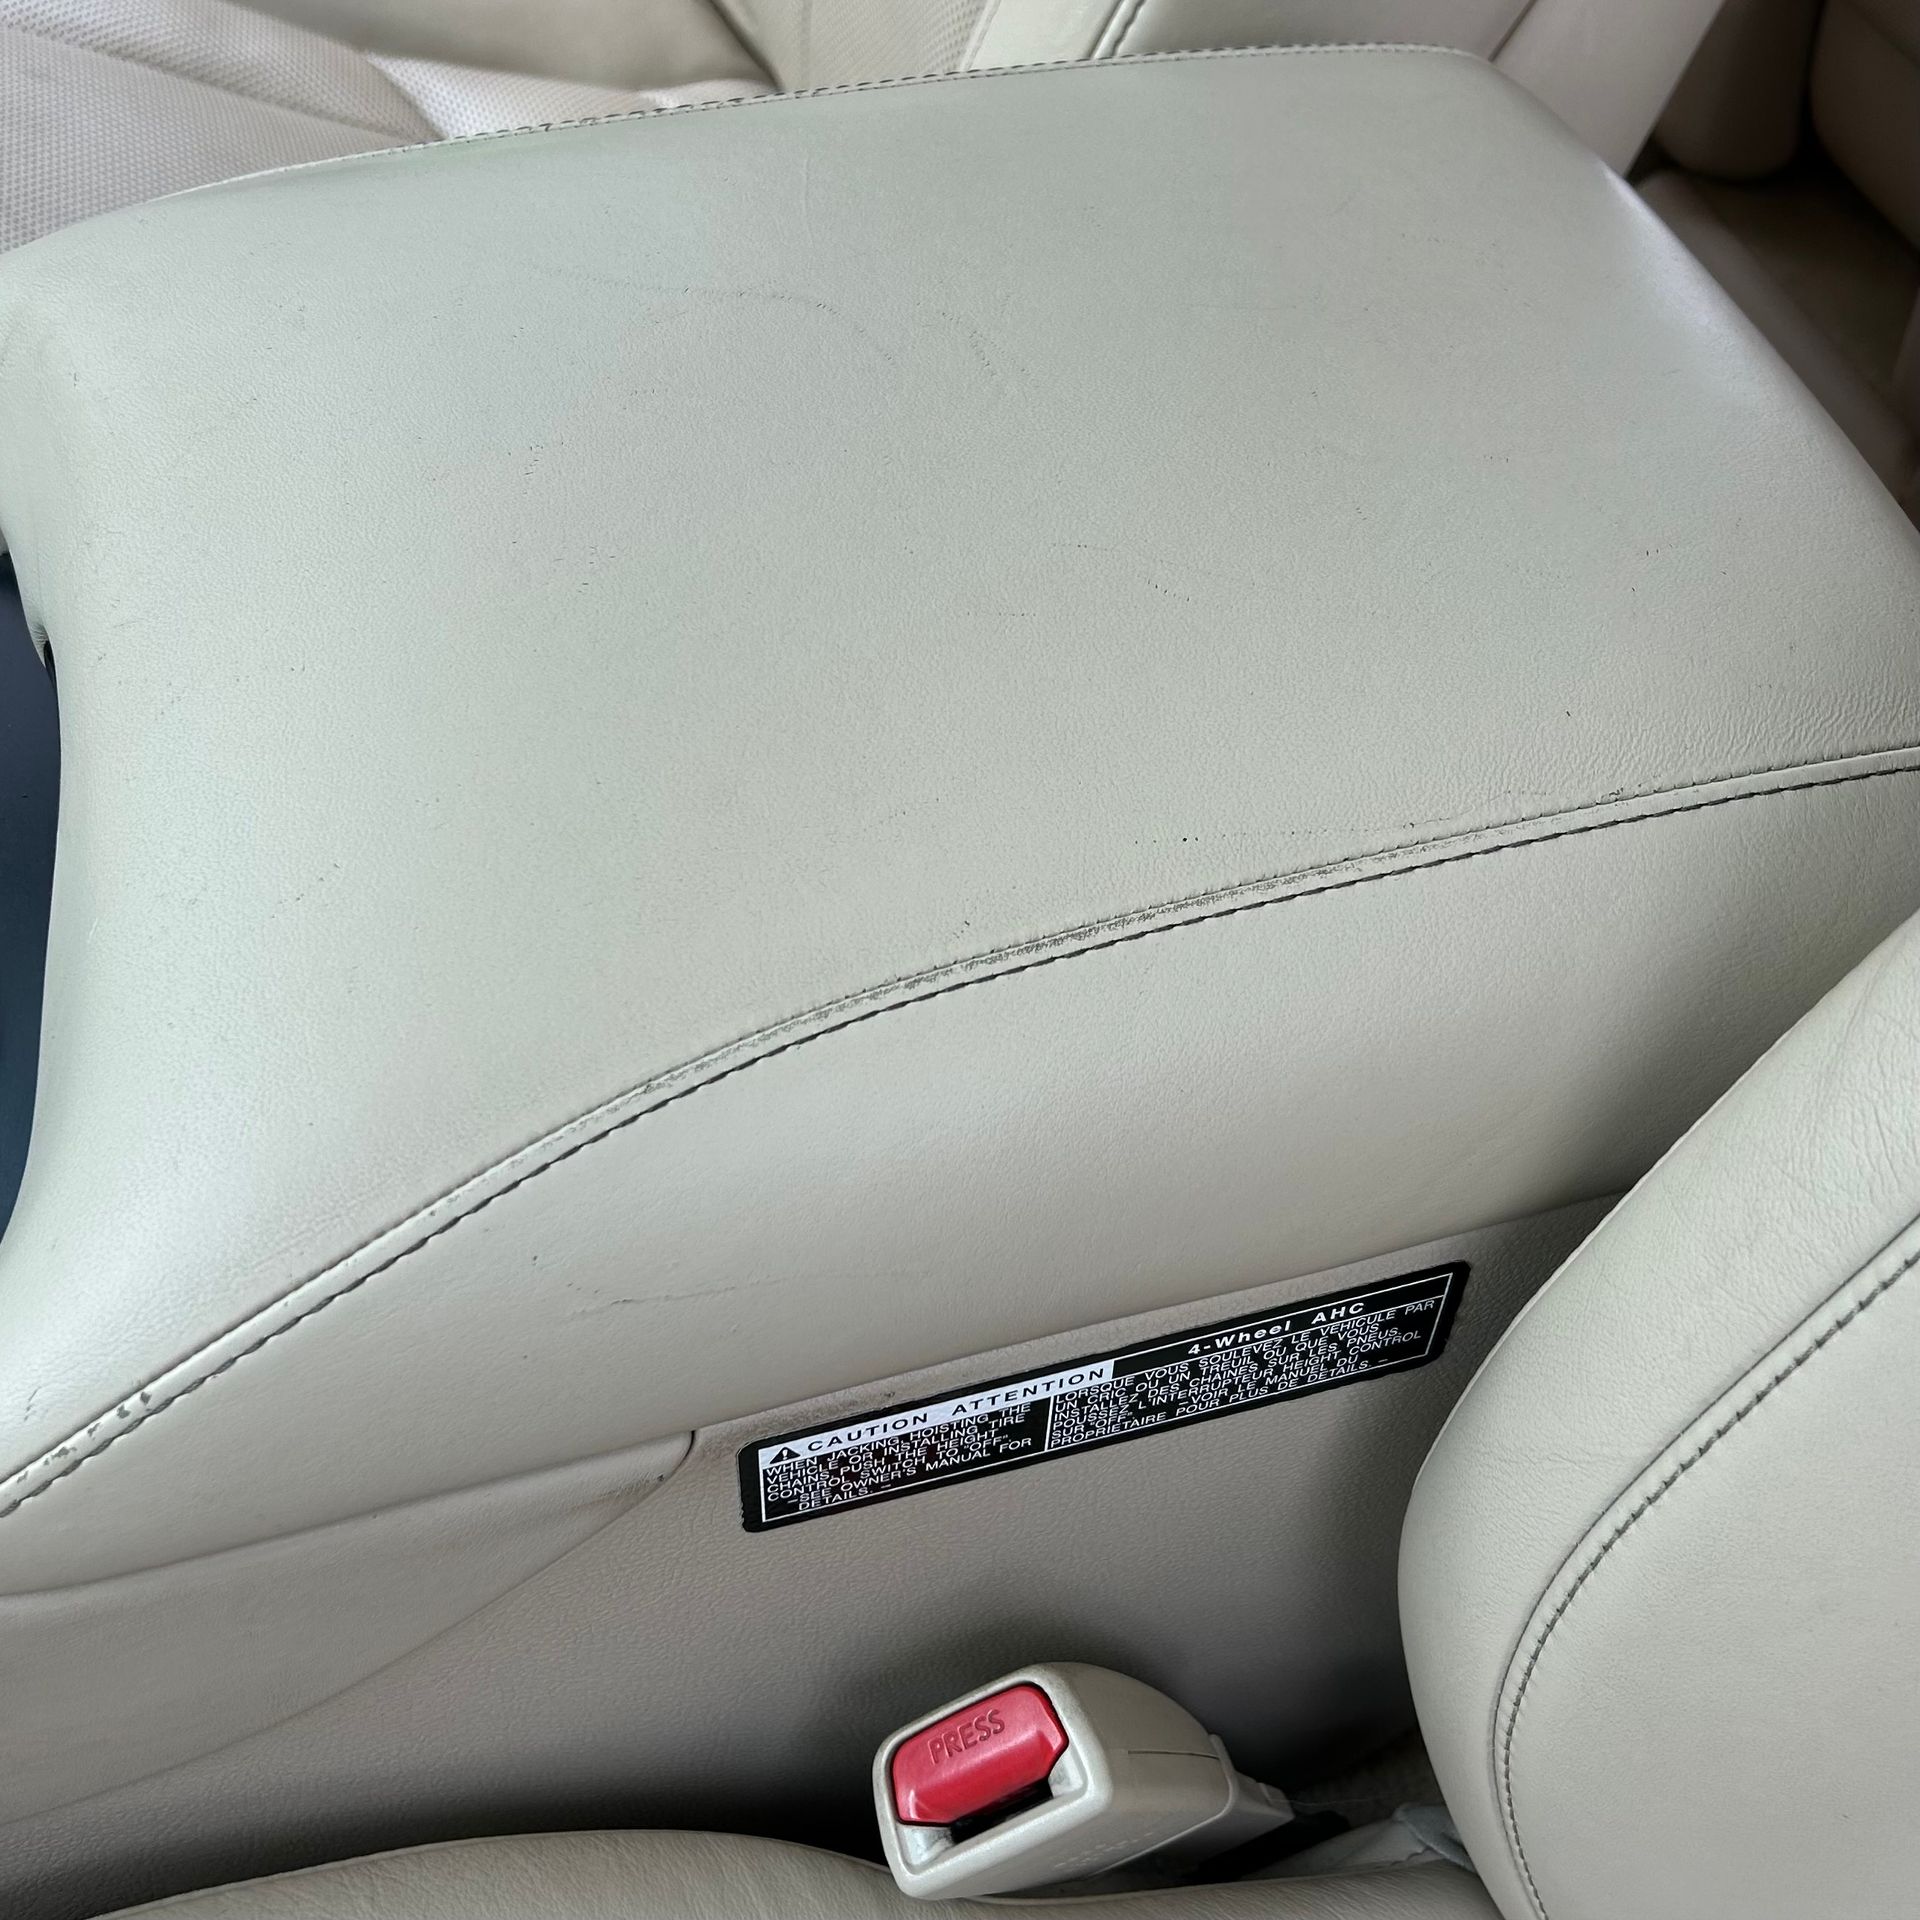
(231, 92)
(1751, 1404)
(1118, 931)
(955, 77)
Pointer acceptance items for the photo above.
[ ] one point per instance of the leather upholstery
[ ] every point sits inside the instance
(1607, 70)
(693, 1876)
(1740, 109)
(901, 726)
(1657, 1576)
(1865, 96)
(1848, 374)
(679, 1671)
(1439, 832)
(1498, 877)
(1665, 1659)
(108, 102)
(1830, 285)
(1606, 67)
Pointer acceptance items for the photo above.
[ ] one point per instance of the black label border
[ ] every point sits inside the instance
(1453, 1272)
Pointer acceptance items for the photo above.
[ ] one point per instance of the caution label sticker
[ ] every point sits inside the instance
(1283, 1354)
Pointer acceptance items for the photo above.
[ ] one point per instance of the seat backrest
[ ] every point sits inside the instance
(1661, 1573)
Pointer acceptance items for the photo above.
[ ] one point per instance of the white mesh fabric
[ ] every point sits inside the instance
(105, 102)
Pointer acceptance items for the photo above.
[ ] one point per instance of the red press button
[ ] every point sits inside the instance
(987, 1752)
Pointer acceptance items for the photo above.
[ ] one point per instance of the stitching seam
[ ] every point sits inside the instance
(1754, 1401)
(1112, 940)
(146, 65)
(886, 86)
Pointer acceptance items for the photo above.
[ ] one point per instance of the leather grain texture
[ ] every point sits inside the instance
(675, 1670)
(1688, 1617)
(698, 1876)
(886, 722)
(119, 1678)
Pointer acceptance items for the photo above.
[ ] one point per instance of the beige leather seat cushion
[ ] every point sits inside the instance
(698, 1876)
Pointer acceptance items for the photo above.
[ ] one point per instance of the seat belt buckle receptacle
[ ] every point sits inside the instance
(1055, 1773)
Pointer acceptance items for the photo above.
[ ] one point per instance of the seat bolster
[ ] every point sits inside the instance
(702, 1876)
(1722, 1375)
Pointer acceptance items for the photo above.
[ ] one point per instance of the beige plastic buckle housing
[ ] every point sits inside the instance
(1139, 1776)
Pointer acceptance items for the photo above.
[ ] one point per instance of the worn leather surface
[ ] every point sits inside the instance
(697, 1876)
(743, 750)
(117, 1679)
(1660, 1574)
(677, 1671)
